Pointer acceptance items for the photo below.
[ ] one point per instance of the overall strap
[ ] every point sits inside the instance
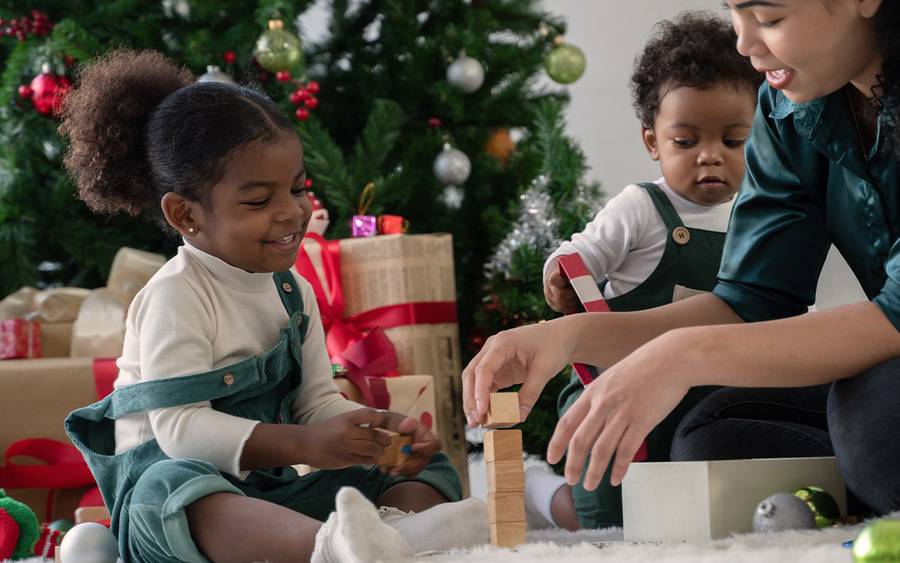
(663, 206)
(289, 292)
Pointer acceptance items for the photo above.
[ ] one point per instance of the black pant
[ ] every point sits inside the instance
(855, 419)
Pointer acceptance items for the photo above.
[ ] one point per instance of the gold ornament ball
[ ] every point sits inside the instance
(565, 63)
(500, 146)
(277, 49)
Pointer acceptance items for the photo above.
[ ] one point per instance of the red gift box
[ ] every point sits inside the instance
(20, 339)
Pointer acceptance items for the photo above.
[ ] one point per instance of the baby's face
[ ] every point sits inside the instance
(698, 138)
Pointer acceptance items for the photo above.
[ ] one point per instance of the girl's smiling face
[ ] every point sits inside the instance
(809, 48)
(255, 216)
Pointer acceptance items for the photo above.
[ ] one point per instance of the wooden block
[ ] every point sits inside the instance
(506, 506)
(503, 476)
(507, 534)
(503, 411)
(502, 445)
(393, 454)
(91, 514)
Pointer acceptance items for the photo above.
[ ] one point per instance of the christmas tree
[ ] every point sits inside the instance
(437, 104)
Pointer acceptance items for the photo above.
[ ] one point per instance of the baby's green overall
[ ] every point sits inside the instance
(695, 265)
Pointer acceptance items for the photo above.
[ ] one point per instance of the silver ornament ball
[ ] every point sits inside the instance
(213, 74)
(89, 542)
(782, 512)
(452, 167)
(465, 74)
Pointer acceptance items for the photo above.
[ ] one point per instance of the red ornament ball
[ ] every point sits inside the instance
(308, 183)
(311, 103)
(302, 114)
(25, 92)
(229, 57)
(62, 88)
(313, 87)
(44, 87)
(283, 76)
(434, 122)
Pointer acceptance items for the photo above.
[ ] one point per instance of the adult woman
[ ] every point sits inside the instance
(822, 168)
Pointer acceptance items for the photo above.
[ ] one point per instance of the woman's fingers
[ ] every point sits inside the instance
(628, 447)
(582, 442)
(468, 380)
(566, 426)
(601, 452)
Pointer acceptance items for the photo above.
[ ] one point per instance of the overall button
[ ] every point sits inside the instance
(228, 379)
(681, 235)
(287, 287)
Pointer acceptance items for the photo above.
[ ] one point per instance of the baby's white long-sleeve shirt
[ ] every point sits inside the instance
(625, 241)
(199, 313)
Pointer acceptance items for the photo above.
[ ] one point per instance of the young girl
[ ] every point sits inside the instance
(224, 381)
(823, 167)
(695, 97)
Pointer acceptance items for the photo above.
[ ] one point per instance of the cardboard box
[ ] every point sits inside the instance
(56, 340)
(36, 396)
(706, 500)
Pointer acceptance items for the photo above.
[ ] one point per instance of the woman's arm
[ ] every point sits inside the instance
(618, 410)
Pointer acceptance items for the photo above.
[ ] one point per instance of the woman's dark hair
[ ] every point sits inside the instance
(139, 127)
(696, 49)
(887, 31)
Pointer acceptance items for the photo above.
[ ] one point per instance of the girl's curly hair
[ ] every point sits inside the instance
(887, 31)
(696, 49)
(139, 127)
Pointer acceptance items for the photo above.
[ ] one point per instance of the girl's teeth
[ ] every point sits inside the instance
(286, 239)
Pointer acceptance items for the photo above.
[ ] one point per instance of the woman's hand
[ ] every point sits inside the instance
(342, 441)
(424, 444)
(617, 410)
(530, 355)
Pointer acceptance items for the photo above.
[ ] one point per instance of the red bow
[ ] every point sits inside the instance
(358, 343)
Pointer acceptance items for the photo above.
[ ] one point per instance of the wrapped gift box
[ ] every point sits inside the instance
(35, 398)
(413, 273)
(706, 500)
(20, 339)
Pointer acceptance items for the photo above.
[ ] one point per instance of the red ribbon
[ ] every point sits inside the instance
(358, 343)
(63, 466)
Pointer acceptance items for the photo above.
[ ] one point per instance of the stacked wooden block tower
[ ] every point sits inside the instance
(505, 471)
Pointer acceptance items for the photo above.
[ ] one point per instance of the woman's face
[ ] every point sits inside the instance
(809, 48)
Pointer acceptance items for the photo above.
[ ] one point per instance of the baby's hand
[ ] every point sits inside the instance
(560, 295)
(341, 441)
(423, 447)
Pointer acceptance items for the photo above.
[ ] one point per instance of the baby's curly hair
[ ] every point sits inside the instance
(696, 49)
(139, 127)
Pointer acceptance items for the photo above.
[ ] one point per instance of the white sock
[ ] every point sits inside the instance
(446, 526)
(540, 487)
(354, 533)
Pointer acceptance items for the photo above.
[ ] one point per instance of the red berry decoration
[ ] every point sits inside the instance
(308, 183)
(313, 87)
(302, 114)
(434, 122)
(283, 76)
(296, 98)
(25, 92)
(69, 60)
(311, 103)
(230, 57)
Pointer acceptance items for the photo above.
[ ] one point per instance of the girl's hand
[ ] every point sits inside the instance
(560, 295)
(530, 355)
(424, 444)
(341, 441)
(617, 411)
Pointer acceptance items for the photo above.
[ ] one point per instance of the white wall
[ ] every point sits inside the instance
(611, 33)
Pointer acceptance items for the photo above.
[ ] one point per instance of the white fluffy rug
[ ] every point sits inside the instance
(555, 546)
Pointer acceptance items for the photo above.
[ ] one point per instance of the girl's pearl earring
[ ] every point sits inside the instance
(190, 229)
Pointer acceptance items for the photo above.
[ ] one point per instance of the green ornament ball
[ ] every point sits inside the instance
(62, 526)
(823, 505)
(565, 63)
(277, 49)
(879, 542)
(29, 527)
